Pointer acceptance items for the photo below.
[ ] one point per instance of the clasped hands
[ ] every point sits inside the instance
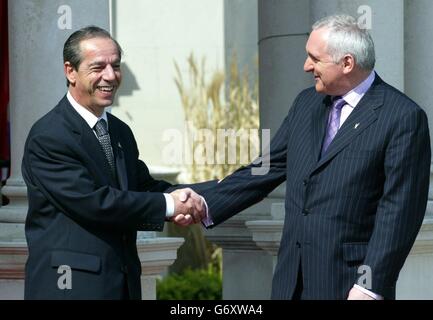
(189, 207)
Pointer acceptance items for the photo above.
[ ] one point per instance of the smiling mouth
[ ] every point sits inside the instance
(107, 89)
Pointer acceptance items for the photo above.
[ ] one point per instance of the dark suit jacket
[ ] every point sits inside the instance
(362, 203)
(79, 215)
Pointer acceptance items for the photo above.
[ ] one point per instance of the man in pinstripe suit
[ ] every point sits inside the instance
(356, 172)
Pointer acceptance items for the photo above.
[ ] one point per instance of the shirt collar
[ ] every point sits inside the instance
(89, 117)
(355, 95)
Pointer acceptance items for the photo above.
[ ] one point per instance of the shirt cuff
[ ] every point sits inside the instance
(368, 292)
(169, 212)
(207, 221)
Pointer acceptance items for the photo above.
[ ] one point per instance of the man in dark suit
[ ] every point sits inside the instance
(88, 191)
(355, 155)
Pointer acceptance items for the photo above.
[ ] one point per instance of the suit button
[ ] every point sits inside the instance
(298, 244)
(305, 212)
(125, 269)
(305, 182)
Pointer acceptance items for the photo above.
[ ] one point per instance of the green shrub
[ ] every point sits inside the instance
(197, 284)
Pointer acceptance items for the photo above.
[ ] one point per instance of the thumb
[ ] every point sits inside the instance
(183, 196)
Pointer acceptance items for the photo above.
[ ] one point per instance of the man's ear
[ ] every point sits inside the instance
(348, 62)
(70, 72)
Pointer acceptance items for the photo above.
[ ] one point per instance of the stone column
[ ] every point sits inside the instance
(283, 33)
(267, 233)
(243, 260)
(240, 39)
(416, 277)
(417, 68)
(35, 42)
(156, 255)
(241, 34)
(282, 28)
(37, 31)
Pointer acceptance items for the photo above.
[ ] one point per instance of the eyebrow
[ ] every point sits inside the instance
(312, 56)
(101, 63)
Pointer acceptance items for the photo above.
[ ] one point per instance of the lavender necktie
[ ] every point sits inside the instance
(104, 140)
(334, 122)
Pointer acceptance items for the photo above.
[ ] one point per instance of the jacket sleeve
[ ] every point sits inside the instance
(54, 170)
(250, 184)
(402, 206)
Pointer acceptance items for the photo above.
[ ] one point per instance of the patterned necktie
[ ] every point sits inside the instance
(104, 140)
(334, 122)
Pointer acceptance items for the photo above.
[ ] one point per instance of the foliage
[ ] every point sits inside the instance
(199, 284)
(208, 105)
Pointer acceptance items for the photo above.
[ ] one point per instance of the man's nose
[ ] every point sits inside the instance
(308, 65)
(109, 73)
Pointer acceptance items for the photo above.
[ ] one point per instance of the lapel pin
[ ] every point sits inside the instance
(356, 125)
(119, 145)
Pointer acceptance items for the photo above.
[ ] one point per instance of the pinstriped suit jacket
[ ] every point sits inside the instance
(362, 203)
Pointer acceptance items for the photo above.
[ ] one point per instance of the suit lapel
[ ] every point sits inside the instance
(360, 119)
(92, 146)
(88, 141)
(318, 126)
(118, 154)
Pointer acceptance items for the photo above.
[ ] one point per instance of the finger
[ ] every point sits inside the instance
(200, 207)
(182, 223)
(182, 220)
(194, 195)
(179, 218)
(188, 218)
(199, 210)
(197, 203)
(185, 221)
(196, 217)
(183, 196)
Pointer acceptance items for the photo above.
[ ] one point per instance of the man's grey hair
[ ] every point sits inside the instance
(347, 37)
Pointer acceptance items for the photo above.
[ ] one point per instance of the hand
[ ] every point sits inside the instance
(356, 294)
(188, 207)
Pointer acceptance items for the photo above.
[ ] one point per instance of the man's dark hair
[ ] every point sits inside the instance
(71, 49)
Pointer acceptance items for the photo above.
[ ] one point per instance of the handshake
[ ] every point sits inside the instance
(189, 207)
